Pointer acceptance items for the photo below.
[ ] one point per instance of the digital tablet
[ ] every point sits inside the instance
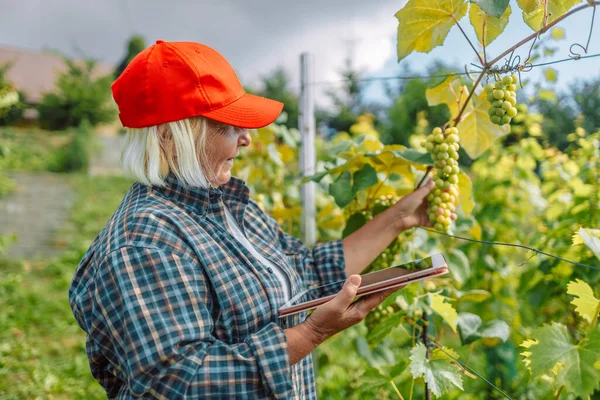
(371, 283)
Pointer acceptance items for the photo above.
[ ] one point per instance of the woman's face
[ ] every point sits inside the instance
(223, 145)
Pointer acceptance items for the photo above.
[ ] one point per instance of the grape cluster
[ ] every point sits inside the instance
(444, 197)
(386, 258)
(378, 314)
(503, 99)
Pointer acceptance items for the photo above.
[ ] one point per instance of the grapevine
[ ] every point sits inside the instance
(443, 199)
(503, 99)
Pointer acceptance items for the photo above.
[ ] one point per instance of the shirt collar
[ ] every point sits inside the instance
(201, 198)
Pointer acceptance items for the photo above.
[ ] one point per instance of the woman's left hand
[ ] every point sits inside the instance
(411, 210)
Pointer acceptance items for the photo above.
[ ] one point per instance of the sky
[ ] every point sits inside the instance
(256, 36)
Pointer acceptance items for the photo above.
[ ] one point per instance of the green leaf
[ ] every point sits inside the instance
(384, 328)
(443, 309)
(414, 156)
(586, 305)
(486, 26)
(341, 190)
(495, 8)
(449, 92)
(465, 193)
(558, 33)
(477, 133)
(439, 371)
(574, 364)
(315, 178)
(338, 148)
(354, 223)
(459, 265)
(424, 24)
(550, 75)
(364, 178)
(556, 9)
(470, 328)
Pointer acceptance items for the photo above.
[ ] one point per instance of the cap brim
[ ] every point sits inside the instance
(249, 111)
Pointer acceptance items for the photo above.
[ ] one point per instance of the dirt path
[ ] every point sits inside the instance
(34, 211)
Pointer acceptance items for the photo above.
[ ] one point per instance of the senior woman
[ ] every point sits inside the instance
(179, 293)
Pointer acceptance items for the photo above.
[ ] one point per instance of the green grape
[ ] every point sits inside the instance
(498, 85)
(496, 119)
(438, 138)
(429, 146)
(505, 120)
(453, 138)
(492, 111)
(437, 131)
(506, 105)
(500, 111)
(498, 94)
(497, 103)
(511, 112)
(443, 147)
(507, 80)
(512, 87)
(514, 79)
(488, 88)
(448, 170)
(512, 101)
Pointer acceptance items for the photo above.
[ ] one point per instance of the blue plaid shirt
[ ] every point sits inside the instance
(174, 307)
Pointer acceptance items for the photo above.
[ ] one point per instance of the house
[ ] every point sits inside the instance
(35, 73)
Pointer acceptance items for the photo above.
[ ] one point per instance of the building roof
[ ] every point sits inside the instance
(35, 72)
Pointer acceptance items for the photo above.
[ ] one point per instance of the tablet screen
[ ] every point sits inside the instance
(367, 279)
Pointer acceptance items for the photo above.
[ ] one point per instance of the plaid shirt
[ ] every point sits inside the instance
(174, 307)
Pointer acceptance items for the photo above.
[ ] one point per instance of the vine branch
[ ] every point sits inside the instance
(469, 40)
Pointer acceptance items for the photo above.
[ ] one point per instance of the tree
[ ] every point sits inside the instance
(134, 46)
(78, 96)
(276, 86)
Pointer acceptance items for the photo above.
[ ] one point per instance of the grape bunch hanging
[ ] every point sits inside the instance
(503, 99)
(443, 199)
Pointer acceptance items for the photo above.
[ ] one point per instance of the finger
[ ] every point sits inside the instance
(344, 298)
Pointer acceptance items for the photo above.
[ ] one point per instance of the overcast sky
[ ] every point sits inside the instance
(258, 35)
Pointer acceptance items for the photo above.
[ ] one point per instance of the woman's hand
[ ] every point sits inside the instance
(340, 312)
(411, 210)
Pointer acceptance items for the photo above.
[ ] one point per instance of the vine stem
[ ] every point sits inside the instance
(425, 339)
(542, 30)
(489, 64)
(396, 389)
(557, 397)
(468, 40)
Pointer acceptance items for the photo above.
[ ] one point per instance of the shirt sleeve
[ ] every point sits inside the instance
(154, 313)
(322, 264)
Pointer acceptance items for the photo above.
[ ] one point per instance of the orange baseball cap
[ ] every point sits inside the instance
(170, 81)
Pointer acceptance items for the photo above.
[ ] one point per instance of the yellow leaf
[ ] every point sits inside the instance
(529, 5)
(558, 33)
(535, 17)
(465, 192)
(287, 153)
(485, 25)
(265, 135)
(546, 94)
(449, 92)
(371, 144)
(586, 305)
(353, 164)
(550, 75)
(445, 310)
(476, 231)
(477, 133)
(424, 24)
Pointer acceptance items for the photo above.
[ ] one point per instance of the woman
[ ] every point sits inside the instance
(179, 292)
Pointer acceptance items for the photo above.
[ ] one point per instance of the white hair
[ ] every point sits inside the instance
(178, 147)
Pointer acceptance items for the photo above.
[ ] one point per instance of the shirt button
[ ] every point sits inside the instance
(270, 270)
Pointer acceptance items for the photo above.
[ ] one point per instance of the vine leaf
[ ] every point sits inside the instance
(558, 33)
(550, 74)
(572, 364)
(445, 310)
(424, 24)
(439, 371)
(590, 237)
(459, 265)
(384, 328)
(465, 193)
(493, 26)
(495, 8)
(529, 5)
(586, 305)
(341, 190)
(470, 328)
(364, 178)
(476, 131)
(449, 92)
(354, 223)
(556, 9)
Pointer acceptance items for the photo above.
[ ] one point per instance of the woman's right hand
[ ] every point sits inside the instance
(341, 312)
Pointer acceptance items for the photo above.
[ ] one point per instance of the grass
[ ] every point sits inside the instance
(42, 349)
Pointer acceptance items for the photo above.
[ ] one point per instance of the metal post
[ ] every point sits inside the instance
(306, 125)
